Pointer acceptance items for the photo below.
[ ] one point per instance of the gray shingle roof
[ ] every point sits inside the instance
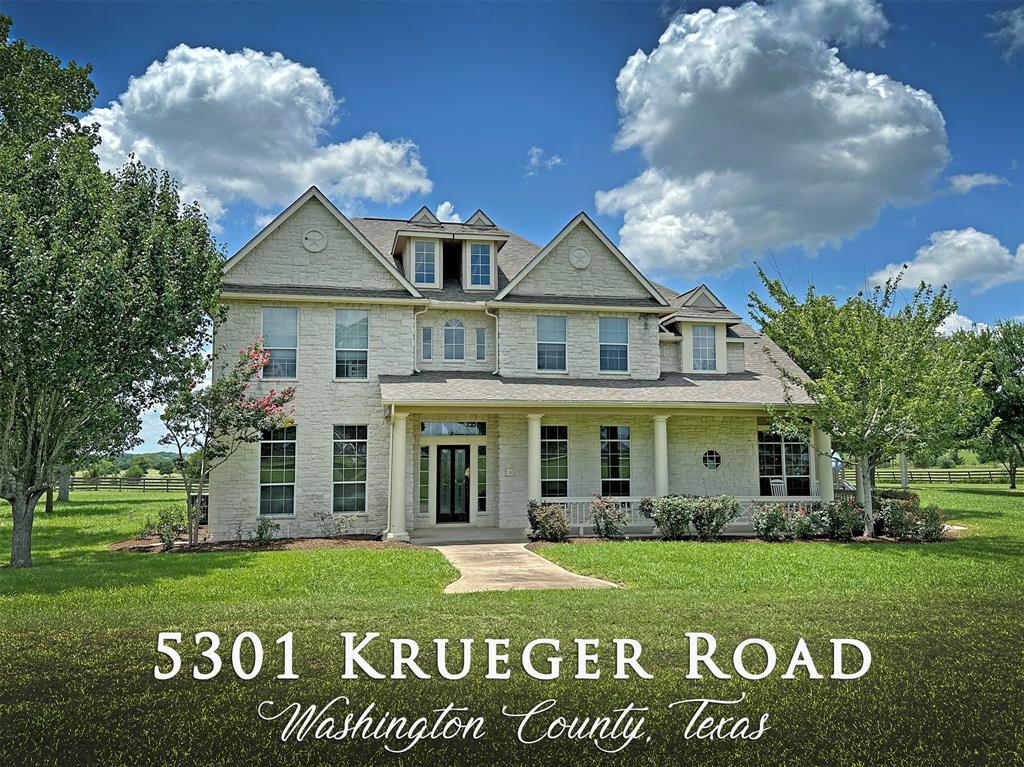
(313, 290)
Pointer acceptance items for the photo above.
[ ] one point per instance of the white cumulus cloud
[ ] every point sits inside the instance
(536, 161)
(446, 212)
(1010, 35)
(757, 135)
(957, 322)
(960, 256)
(964, 183)
(250, 126)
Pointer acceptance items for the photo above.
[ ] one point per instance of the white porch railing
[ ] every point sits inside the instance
(578, 509)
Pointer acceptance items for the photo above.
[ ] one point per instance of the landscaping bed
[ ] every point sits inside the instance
(151, 544)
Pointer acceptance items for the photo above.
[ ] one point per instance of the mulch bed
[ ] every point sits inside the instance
(952, 534)
(150, 544)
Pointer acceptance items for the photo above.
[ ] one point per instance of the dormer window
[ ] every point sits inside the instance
(480, 264)
(425, 262)
(704, 356)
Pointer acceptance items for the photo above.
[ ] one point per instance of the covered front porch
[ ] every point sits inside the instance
(470, 474)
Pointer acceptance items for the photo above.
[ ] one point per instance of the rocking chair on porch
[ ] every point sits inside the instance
(778, 487)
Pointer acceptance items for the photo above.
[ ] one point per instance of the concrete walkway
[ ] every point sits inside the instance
(510, 566)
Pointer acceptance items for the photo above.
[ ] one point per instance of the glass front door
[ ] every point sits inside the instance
(452, 483)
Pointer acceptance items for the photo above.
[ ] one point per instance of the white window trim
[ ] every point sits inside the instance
(367, 349)
(365, 482)
(425, 331)
(467, 281)
(437, 263)
(293, 484)
(537, 342)
(444, 341)
(693, 348)
(481, 333)
(628, 369)
(263, 335)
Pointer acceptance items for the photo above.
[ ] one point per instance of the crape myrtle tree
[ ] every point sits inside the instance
(106, 283)
(882, 378)
(208, 423)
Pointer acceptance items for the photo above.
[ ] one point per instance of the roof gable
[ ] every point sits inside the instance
(605, 271)
(479, 219)
(703, 297)
(276, 254)
(424, 214)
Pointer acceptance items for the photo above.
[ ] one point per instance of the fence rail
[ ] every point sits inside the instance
(945, 476)
(150, 484)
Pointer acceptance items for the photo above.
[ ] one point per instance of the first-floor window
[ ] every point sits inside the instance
(615, 460)
(349, 469)
(424, 480)
(427, 344)
(554, 461)
(481, 478)
(277, 472)
(454, 340)
(784, 460)
(280, 340)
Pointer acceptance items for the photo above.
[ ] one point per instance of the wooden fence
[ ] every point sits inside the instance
(144, 484)
(927, 476)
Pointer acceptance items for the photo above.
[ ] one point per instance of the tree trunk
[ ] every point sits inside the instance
(49, 500)
(1013, 475)
(864, 477)
(64, 490)
(23, 506)
(858, 485)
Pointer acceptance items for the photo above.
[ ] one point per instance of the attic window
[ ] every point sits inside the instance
(480, 264)
(425, 263)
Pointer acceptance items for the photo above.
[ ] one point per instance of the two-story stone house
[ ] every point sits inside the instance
(446, 374)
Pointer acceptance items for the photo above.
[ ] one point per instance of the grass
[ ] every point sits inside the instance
(78, 635)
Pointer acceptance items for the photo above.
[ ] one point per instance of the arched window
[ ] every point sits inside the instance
(454, 340)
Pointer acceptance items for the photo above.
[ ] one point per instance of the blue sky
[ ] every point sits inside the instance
(740, 131)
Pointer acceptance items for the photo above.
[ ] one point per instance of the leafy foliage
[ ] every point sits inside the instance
(671, 515)
(709, 515)
(610, 517)
(882, 378)
(548, 522)
(106, 282)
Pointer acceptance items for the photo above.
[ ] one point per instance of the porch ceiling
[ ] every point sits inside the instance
(749, 389)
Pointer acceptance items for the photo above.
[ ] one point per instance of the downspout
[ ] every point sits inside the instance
(416, 339)
(497, 348)
(391, 459)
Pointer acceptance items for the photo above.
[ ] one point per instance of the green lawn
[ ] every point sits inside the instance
(78, 634)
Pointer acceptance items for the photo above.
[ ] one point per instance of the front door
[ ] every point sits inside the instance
(452, 483)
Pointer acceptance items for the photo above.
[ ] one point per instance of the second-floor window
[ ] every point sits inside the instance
(351, 343)
(280, 340)
(551, 343)
(481, 343)
(454, 340)
(614, 341)
(425, 263)
(427, 343)
(704, 347)
(480, 264)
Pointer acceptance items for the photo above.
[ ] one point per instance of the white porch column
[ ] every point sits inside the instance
(533, 456)
(396, 501)
(660, 455)
(823, 464)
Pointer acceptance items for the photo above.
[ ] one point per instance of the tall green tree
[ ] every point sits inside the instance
(882, 378)
(106, 282)
(1001, 377)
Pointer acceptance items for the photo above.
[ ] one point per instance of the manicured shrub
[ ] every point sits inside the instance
(808, 521)
(771, 522)
(170, 520)
(845, 519)
(930, 524)
(264, 532)
(548, 522)
(332, 525)
(671, 515)
(610, 518)
(645, 506)
(710, 515)
(893, 508)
